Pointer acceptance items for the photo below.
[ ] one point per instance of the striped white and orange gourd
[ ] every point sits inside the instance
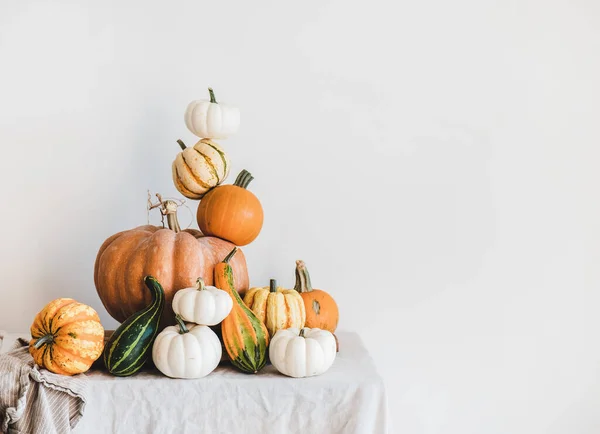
(198, 169)
(278, 308)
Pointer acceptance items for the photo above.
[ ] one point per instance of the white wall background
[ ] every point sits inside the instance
(434, 162)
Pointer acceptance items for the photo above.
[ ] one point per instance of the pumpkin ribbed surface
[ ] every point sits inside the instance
(321, 309)
(198, 169)
(176, 259)
(68, 336)
(231, 212)
(245, 337)
(278, 308)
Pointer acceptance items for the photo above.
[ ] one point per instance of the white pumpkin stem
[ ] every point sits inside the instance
(302, 278)
(46, 339)
(212, 96)
(182, 328)
(183, 147)
(273, 285)
(200, 284)
(302, 332)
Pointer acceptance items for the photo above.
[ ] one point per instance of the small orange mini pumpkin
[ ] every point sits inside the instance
(321, 309)
(231, 212)
(67, 337)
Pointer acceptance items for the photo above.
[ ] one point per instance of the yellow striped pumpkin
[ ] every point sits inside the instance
(198, 169)
(278, 308)
(67, 337)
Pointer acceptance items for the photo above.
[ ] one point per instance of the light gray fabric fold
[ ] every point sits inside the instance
(34, 400)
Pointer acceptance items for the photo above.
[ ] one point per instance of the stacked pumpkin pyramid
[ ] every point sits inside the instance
(188, 284)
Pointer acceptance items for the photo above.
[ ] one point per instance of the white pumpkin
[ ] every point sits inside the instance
(212, 120)
(302, 353)
(186, 351)
(198, 169)
(205, 305)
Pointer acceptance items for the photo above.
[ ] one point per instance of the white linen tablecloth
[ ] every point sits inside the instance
(349, 398)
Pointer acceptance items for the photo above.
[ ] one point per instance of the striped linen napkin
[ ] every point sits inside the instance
(34, 400)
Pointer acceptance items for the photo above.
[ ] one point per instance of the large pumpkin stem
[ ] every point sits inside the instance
(212, 96)
(181, 144)
(46, 339)
(168, 208)
(182, 328)
(243, 179)
(302, 278)
(273, 285)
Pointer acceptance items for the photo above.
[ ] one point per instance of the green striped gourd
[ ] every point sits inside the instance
(131, 344)
(245, 337)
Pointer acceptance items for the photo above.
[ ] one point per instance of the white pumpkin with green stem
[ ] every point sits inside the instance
(209, 119)
(198, 169)
(205, 305)
(186, 350)
(302, 353)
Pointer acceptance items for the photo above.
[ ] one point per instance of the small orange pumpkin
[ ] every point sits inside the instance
(231, 212)
(321, 309)
(67, 337)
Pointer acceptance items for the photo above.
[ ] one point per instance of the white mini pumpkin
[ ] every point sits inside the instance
(302, 353)
(186, 350)
(200, 168)
(210, 119)
(205, 305)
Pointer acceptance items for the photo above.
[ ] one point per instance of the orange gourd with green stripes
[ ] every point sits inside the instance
(245, 337)
(67, 337)
(131, 344)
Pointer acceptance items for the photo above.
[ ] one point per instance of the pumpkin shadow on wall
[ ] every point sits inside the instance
(117, 203)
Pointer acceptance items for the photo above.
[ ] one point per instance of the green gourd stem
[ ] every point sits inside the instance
(183, 147)
(212, 96)
(243, 179)
(200, 284)
(154, 290)
(302, 333)
(182, 328)
(230, 255)
(273, 285)
(302, 278)
(46, 339)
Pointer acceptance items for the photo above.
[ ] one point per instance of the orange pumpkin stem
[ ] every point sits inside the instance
(46, 339)
(273, 285)
(181, 144)
(229, 256)
(243, 179)
(302, 278)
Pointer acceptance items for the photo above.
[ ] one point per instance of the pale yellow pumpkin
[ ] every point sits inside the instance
(198, 169)
(276, 307)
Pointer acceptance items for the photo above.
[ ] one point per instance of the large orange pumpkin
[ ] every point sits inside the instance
(321, 309)
(174, 257)
(67, 337)
(231, 212)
